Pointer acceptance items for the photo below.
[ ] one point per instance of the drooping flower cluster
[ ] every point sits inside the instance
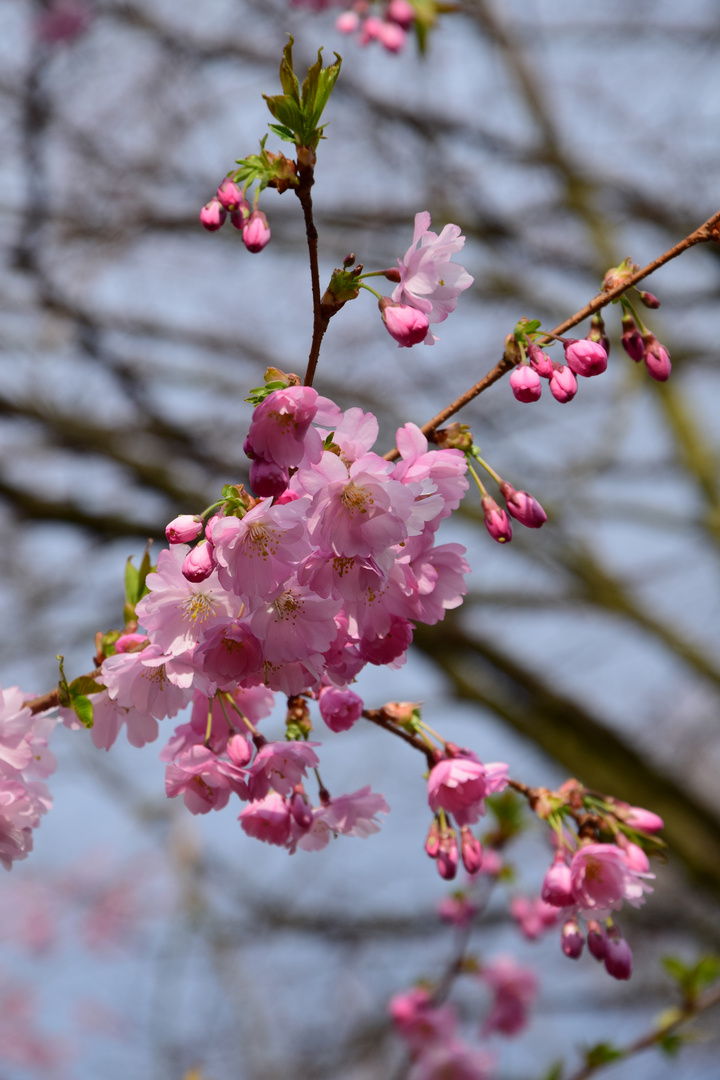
(251, 223)
(24, 762)
(291, 592)
(389, 29)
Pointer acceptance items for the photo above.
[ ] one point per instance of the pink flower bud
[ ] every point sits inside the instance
(447, 859)
(618, 955)
(256, 231)
(268, 479)
(239, 750)
(497, 522)
(131, 642)
(563, 384)
(391, 36)
(597, 945)
(183, 529)
(523, 507)
(635, 857)
(525, 383)
(240, 214)
(571, 939)
(557, 884)
(631, 339)
(200, 562)
(472, 852)
(406, 324)
(657, 358)
(540, 361)
(370, 30)
(645, 820)
(649, 299)
(301, 810)
(586, 358)
(340, 709)
(598, 333)
(432, 843)
(212, 215)
(348, 22)
(229, 194)
(401, 12)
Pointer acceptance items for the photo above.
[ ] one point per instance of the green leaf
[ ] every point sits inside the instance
(671, 1044)
(259, 393)
(284, 132)
(83, 709)
(132, 580)
(555, 1071)
(706, 972)
(84, 684)
(64, 698)
(601, 1054)
(288, 79)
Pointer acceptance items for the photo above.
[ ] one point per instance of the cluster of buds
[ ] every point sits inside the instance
(230, 199)
(585, 357)
(520, 505)
(591, 878)
(390, 29)
(637, 341)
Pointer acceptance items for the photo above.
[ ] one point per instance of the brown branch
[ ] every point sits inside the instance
(306, 175)
(708, 231)
(683, 1015)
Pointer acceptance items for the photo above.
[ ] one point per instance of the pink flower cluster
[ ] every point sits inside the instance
(24, 762)
(428, 284)
(390, 30)
(292, 592)
(231, 200)
(457, 789)
(430, 1033)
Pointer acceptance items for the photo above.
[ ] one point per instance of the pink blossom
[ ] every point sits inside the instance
(523, 507)
(401, 12)
(586, 358)
(281, 765)
(256, 553)
(280, 429)
(109, 717)
(268, 479)
(63, 20)
(268, 819)
(256, 231)
(419, 1021)
(533, 916)
(557, 885)
(229, 653)
(203, 779)
(446, 469)
(458, 910)
(183, 529)
(347, 22)
(391, 36)
(525, 383)
(212, 215)
(515, 989)
(388, 648)
(406, 324)
(452, 1060)
(602, 879)
(428, 280)
(497, 522)
(295, 624)
(459, 785)
(340, 708)
(150, 681)
(563, 384)
(355, 814)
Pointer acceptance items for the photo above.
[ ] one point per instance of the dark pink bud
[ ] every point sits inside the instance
(239, 750)
(210, 523)
(635, 857)
(597, 945)
(618, 955)
(631, 339)
(472, 852)
(200, 562)
(268, 479)
(523, 507)
(301, 810)
(657, 358)
(256, 231)
(557, 884)
(563, 384)
(432, 843)
(401, 12)
(212, 215)
(540, 361)
(586, 358)
(571, 939)
(183, 529)
(391, 36)
(525, 383)
(348, 22)
(598, 333)
(497, 522)
(447, 859)
(239, 215)
(645, 820)
(406, 324)
(649, 299)
(229, 194)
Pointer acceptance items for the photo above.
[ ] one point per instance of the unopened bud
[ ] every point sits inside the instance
(432, 843)
(657, 358)
(618, 955)
(183, 529)
(404, 323)
(557, 884)
(497, 522)
(455, 436)
(540, 361)
(472, 852)
(631, 339)
(586, 358)
(200, 562)
(212, 215)
(256, 232)
(619, 275)
(598, 332)
(563, 384)
(525, 383)
(649, 299)
(597, 945)
(447, 858)
(571, 939)
(523, 507)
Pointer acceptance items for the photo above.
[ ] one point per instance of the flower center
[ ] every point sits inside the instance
(356, 498)
(197, 607)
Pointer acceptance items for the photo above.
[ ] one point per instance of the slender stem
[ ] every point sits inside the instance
(488, 468)
(369, 288)
(306, 175)
(684, 1014)
(478, 481)
(707, 232)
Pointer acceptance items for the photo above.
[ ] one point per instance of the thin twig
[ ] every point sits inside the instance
(306, 175)
(708, 231)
